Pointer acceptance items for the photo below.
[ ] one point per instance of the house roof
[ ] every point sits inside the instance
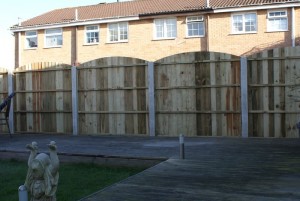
(135, 9)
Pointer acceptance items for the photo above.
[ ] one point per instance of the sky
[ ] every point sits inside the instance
(13, 10)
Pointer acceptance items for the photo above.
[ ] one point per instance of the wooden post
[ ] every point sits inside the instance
(74, 101)
(10, 90)
(244, 96)
(151, 99)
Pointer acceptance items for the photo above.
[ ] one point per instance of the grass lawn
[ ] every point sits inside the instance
(76, 180)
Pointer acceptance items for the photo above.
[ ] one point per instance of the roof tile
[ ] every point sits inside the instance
(136, 8)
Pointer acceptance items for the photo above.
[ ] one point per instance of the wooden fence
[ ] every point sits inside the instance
(274, 93)
(43, 100)
(196, 94)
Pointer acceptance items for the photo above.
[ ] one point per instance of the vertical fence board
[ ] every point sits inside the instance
(203, 94)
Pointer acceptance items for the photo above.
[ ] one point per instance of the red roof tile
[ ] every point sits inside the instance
(137, 8)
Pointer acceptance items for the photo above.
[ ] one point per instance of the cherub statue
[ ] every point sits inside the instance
(42, 176)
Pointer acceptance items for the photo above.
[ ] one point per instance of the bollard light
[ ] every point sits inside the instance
(181, 145)
(23, 195)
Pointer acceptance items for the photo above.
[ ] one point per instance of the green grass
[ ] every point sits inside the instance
(76, 180)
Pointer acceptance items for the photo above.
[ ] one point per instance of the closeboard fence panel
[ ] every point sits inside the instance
(113, 96)
(195, 94)
(3, 93)
(198, 94)
(274, 88)
(43, 98)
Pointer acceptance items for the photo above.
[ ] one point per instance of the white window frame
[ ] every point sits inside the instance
(243, 31)
(195, 20)
(94, 40)
(118, 32)
(270, 18)
(165, 28)
(53, 35)
(29, 44)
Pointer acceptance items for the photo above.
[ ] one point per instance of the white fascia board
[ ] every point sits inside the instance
(251, 8)
(75, 23)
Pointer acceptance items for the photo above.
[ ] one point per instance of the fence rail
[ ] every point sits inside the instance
(197, 94)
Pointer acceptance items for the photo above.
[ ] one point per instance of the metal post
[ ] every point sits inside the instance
(23, 195)
(181, 144)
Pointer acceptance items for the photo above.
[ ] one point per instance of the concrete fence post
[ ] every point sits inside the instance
(151, 99)
(74, 100)
(11, 90)
(244, 96)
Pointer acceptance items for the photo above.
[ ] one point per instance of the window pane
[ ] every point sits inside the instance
(92, 28)
(278, 24)
(31, 42)
(92, 34)
(277, 21)
(237, 23)
(250, 22)
(113, 32)
(30, 33)
(31, 39)
(53, 31)
(53, 41)
(171, 28)
(195, 28)
(159, 28)
(123, 31)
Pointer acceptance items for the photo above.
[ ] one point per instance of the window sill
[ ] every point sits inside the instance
(243, 33)
(277, 31)
(90, 44)
(31, 48)
(159, 39)
(191, 37)
(114, 42)
(53, 47)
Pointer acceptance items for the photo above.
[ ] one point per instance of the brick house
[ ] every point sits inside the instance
(153, 29)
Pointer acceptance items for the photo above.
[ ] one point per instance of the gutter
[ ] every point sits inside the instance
(175, 12)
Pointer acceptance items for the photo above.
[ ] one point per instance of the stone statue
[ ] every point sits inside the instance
(42, 176)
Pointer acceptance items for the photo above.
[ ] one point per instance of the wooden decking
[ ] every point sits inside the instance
(232, 169)
(248, 170)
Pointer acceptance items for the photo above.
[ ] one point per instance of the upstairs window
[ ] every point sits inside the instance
(195, 26)
(244, 23)
(165, 28)
(118, 32)
(31, 39)
(53, 38)
(277, 21)
(91, 34)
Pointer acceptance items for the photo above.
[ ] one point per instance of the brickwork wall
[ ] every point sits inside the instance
(221, 38)
(141, 44)
(42, 54)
